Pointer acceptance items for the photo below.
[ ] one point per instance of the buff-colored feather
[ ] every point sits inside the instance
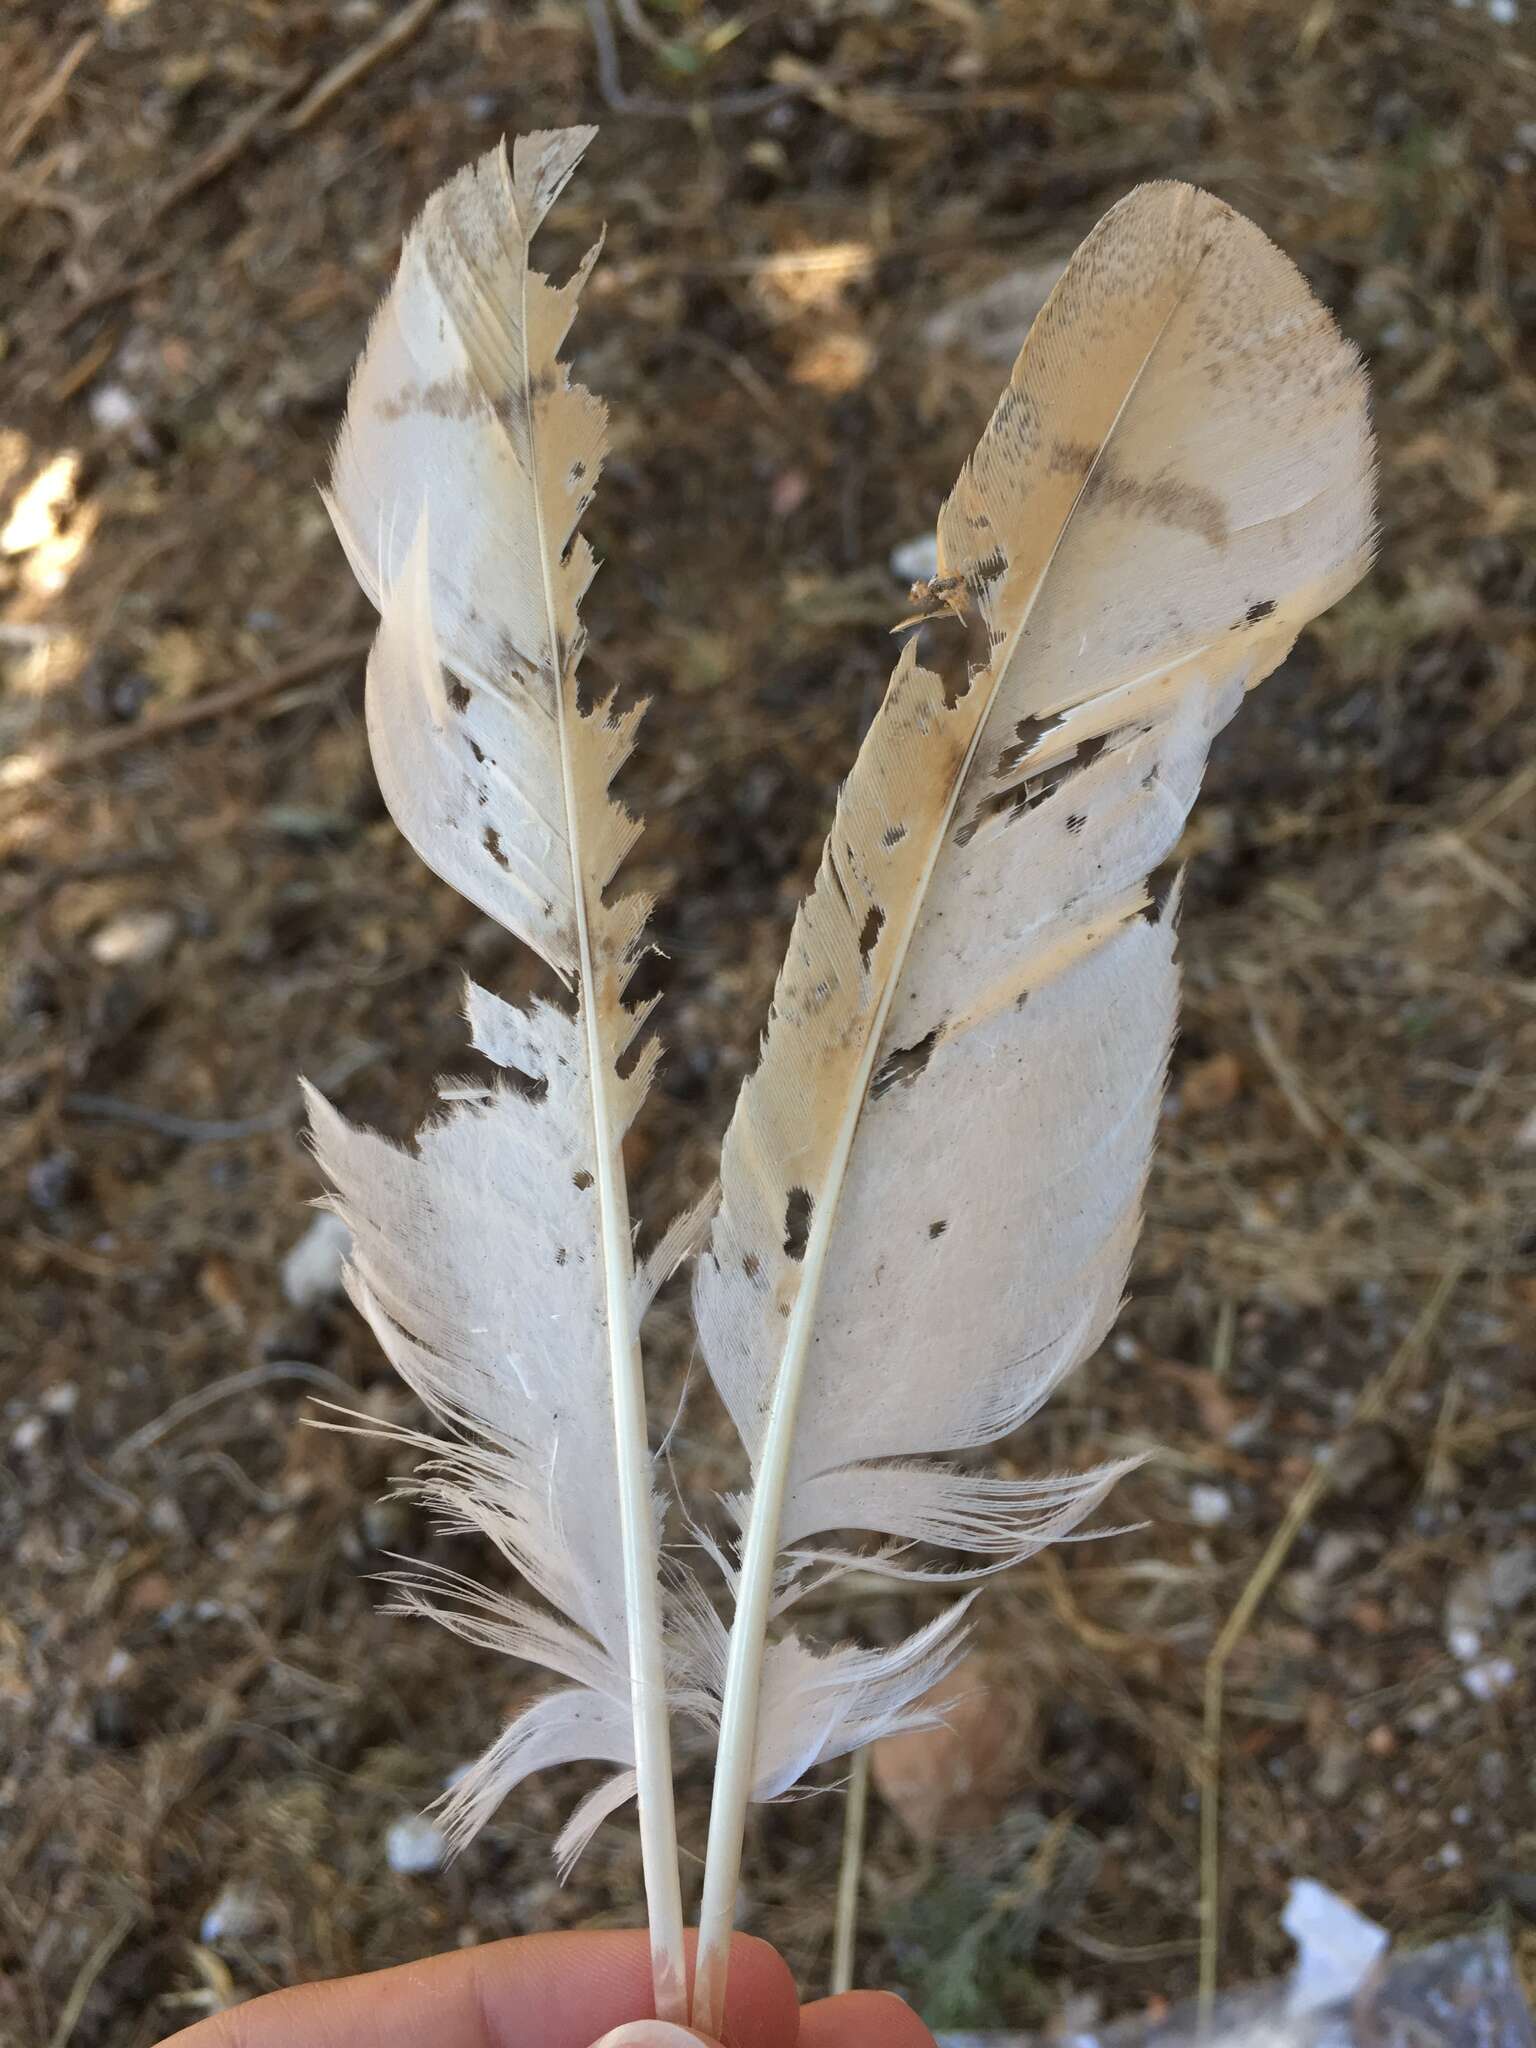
(932, 1183)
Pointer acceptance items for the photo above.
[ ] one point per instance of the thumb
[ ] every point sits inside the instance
(653, 2034)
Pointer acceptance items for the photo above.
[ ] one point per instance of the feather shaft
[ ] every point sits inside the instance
(655, 1798)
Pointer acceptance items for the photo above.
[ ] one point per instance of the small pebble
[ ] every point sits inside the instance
(1335, 1553)
(134, 938)
(1487, 1680)
(1210, 1505)
(53, 1182)
(916, 560)
(312, 1268)
(114, 409)
(238, 1913)
(414, 1847)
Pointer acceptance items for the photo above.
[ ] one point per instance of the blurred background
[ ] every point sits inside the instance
(828, 224)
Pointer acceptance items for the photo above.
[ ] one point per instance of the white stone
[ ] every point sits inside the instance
(29, 1434)
(1210, 1505)
(414, 1847)
(312, 1269)
(133, 938)
(916, 560)
(1487, 1680)
(113, 408)
(992, 323)
(235, 1915)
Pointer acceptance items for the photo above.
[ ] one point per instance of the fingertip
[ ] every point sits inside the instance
(863, 2019)
(762, 2007)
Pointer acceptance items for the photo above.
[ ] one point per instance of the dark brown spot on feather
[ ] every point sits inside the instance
(582, 1179)
(1005, 805)
(447, 398)
(491, 841)
(869, 937)
(797, 1222)
(1262, 610)
(938, 1229)
(458, 696)
(1028, 734)
(905, 1065)
(1171, 501)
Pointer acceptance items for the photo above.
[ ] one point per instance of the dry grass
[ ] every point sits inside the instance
(195, 1689)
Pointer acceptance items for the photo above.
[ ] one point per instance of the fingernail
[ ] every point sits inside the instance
(650, 2034)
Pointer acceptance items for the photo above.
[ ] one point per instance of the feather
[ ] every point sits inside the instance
(494, 1261)
(932, 1183)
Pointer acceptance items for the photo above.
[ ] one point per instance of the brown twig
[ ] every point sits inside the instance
(90, 1970)
(211, 704)
(48, 95)
(393, 36)
(220, 155)
(1303, 1505)
(610, 83)
(115, 287)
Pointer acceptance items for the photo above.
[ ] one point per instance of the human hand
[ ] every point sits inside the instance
(553, 1991)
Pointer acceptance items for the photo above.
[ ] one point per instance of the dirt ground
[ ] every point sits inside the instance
(202, 898)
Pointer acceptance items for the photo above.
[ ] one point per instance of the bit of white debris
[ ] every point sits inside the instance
(1210, 1506)
(1479, 1595)
(1334, 1555)
(28, 1434)
(238, 1913)
(1487, 1680)
(414, 1847)
(916, 560)
(1336, 1947)
(312, 1269)
(133, 938)
(61, 1399)
(1504, 12)
(114, 408)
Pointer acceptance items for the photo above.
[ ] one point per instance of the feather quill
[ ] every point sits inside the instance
(932, 1183)
(495, 1261)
